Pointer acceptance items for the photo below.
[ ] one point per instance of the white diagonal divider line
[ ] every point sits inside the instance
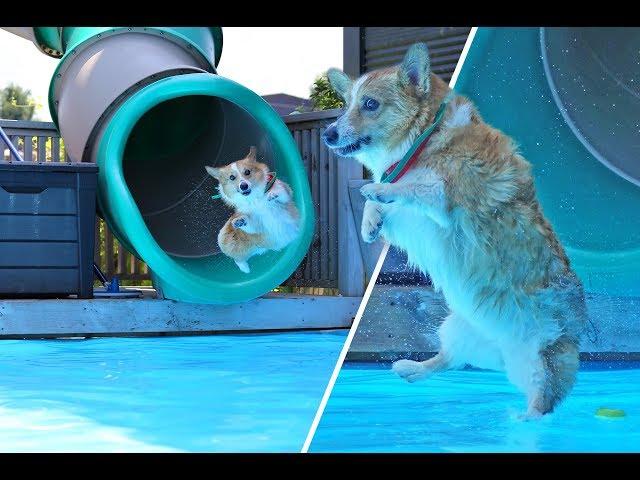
(372, 283)
(463, 57)
(345, 349)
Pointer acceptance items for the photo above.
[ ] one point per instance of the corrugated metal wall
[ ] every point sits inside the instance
(383, 46)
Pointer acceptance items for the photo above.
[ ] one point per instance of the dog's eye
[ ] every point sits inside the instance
(247, 172)
(370, 104)
(232, 177)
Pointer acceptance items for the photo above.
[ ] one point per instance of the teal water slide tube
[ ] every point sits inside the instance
(146, 104)
(570, 97)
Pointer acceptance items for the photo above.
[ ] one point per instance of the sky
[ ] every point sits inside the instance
(264, 59)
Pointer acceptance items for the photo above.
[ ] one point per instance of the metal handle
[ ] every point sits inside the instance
(12, 147)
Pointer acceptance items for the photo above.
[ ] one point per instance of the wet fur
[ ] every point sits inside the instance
(467, 214)
(261, 221)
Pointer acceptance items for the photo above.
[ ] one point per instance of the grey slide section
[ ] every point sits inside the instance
(91, 83)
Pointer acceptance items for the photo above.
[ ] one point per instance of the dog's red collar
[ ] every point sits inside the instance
(396, 171)
(271, 179)
(407, 165)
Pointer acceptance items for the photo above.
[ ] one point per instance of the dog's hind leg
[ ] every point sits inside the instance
(546, 376)
(460, 344)
(413, 371)
(559, 364)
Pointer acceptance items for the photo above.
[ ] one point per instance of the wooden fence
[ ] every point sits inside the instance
(334, 260)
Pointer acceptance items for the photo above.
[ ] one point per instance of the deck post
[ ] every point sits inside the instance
(351, 270)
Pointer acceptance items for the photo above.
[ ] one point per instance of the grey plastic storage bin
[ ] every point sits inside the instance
(47, 219)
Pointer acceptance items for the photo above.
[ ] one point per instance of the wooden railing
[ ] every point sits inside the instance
(334, 260)
(36, 141)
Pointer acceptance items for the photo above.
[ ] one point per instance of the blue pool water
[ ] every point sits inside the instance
(239, 393)
(372, 410)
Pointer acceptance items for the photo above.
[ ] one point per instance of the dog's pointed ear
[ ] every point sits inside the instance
(214, 172)
(415, 69)
(341, 83)
(252, 153)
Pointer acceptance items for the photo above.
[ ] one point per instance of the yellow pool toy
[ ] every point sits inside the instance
(610, 413)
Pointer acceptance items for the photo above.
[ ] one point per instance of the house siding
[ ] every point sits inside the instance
(370, 48)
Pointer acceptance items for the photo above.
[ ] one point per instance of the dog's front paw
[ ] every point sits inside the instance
(409, 370)
(376, 192)
(239, 222)
(371, 226)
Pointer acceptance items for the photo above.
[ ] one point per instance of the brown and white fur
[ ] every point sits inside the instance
(466, 213)
(262, 220)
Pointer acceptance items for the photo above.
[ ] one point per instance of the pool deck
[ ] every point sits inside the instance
(401, 322)
(99, 317)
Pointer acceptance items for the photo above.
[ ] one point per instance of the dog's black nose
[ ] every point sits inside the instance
(244, 186)
(330, 135)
